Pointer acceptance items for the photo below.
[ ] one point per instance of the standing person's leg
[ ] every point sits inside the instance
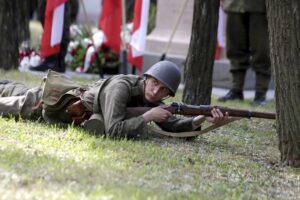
(50, 62)
(53, 62)
(41, 10)
(259, 43)
(237, 47)
(74, 10)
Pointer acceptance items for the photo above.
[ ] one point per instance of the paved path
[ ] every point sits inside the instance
(248, 94)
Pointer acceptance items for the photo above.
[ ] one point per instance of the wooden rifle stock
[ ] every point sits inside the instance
(192, 110)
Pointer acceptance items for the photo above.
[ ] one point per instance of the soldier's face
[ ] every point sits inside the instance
(155, 90)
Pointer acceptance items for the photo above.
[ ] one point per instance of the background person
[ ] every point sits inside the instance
(57, 62)
(247, 44)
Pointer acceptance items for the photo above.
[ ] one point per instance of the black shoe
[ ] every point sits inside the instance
(49, 63)
(259, 99)
(233, 94)
(42, 67)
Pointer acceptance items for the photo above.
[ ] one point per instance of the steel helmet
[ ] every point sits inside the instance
(166, 72)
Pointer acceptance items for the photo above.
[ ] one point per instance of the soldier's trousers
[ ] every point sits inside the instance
(18, 100)
(248, 45)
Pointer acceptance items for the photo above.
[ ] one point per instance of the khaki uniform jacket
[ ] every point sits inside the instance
(109, 98)
(242, 6)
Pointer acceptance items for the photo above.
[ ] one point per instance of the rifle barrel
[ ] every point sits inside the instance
(206, 110)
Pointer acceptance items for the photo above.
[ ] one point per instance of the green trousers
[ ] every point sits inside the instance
(248, 46)
(18, 100)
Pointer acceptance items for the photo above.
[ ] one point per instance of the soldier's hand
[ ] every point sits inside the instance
(217, 116)
(157, 114)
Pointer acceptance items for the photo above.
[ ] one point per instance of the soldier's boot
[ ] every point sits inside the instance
(261, 88)
(233, 94)
(259, 99)
(51, 62)
(236, 93)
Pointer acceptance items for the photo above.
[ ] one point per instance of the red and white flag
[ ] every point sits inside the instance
(139, 33)
(221, 36)
(110, 22)
(53, 28)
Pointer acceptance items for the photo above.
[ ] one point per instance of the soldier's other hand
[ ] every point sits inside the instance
(217, 116)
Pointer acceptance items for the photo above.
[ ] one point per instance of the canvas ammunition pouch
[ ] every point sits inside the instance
(62, 103)
(59, 90)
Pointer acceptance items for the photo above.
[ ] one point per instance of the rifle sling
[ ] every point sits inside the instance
(191, 133)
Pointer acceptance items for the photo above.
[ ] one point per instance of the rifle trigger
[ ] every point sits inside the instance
(249, 114)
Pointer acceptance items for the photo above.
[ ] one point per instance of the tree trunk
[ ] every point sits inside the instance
(22, 10)
(14, 19)
(200, 60)
(284, 29)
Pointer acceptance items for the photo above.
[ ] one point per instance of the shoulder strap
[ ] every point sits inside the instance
(192, 133)
(55, 86)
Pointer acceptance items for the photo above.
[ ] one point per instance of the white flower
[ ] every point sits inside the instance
(75, 30)
(72, 45)
(34, 60)
(24, 64)
(86, 42)
(98, 38)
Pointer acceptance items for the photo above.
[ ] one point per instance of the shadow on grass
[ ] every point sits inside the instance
(213, 146)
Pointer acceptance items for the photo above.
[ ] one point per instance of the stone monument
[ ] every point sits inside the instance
(168, 12)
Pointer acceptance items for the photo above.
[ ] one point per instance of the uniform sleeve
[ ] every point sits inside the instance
(113, 101)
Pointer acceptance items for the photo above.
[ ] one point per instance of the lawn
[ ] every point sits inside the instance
(237, 161)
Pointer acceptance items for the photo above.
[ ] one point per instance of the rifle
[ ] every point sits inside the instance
(193, 110)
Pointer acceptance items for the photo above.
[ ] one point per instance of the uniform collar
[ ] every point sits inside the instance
(138, 90)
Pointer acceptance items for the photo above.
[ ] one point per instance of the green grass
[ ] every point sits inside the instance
(238, 161)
